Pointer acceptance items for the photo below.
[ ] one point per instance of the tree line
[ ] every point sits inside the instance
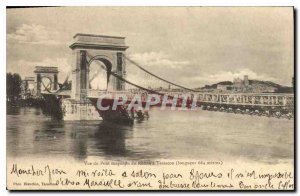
(13, 87)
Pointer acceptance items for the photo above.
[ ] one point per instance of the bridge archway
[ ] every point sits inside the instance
(88, 48)
(46, 82)
(100, 68)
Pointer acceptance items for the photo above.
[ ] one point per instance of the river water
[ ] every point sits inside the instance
(165, 135)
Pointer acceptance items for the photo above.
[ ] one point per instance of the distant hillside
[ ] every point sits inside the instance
(280, 88)
(266, 83)
(214, 86)
(254, 84)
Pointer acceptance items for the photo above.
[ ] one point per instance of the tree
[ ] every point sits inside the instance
(13, 87)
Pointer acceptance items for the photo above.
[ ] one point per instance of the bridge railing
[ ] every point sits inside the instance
(249, 99)
(254, 99)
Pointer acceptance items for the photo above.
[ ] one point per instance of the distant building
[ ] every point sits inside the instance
(242, 85)
(238, 83)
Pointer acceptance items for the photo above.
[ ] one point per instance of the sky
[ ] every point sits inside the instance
(191, 46)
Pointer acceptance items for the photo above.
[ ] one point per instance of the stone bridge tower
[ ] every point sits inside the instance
(46, 72)
(110, 50)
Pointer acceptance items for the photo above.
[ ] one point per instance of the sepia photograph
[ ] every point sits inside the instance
(150, 98)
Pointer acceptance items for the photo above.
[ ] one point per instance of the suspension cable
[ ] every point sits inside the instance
(136, 64)
(137, 86)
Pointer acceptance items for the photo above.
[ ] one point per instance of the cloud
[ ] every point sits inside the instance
(158, 63)
(34, 34)
(157, 59)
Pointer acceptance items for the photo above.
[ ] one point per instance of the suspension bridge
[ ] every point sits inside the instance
(108, 53)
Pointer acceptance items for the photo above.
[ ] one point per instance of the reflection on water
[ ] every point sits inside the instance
(165, 135)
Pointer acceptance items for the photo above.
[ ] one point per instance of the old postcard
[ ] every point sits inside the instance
(150, 98)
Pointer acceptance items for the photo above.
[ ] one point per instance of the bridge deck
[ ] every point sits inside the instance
(65, 93)
(247, 99)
